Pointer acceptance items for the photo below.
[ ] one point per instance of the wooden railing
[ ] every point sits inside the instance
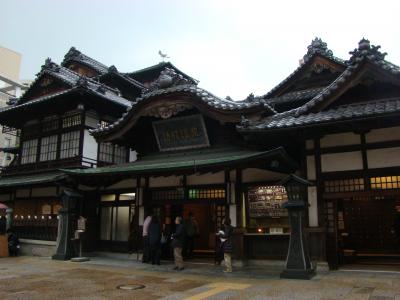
(40, 228)
(77, 161)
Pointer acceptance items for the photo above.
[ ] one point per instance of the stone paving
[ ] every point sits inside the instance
(41, 278)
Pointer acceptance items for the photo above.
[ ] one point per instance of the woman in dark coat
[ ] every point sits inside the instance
(155, 240)
(225, 236)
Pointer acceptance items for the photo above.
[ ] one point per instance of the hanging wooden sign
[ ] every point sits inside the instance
(181, 133)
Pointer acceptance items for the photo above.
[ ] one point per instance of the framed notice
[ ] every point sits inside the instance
(181, 133)
(266, 201)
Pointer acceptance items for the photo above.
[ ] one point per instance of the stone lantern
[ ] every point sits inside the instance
(298, 265)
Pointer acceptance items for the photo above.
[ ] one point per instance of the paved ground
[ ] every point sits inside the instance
(42, 278)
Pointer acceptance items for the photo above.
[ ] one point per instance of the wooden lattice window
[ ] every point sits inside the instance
(385, 182)
(48, 148)
(50, 123)
(177, 194)
(70, 144)
(29, 151)
(207, 193)
(72, 120)
(344, 185)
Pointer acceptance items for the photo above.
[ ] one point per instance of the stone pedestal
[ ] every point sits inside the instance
(298, 265)
(65, 249)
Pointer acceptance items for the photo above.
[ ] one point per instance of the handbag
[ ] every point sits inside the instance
(163, 239)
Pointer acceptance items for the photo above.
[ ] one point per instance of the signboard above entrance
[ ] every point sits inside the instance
(181, 133)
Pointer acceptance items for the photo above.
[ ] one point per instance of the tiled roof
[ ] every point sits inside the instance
(317, 47)
(160, 67)
(37, 178)
(298, 116)
(113, 70)
(190, 160)
(340, 113)
(295, 96)
(75, 55)
(171, 82)
(205, 96)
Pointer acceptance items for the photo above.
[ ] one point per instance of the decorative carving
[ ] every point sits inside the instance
(244, 122)
(317, 47)
(112, 68)
(168, 78)
(366, 50)
(228, 98)
(250, 97)
(72, 53)
(166, 111)
(82, 82)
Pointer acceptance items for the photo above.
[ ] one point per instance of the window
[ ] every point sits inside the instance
(50, 123)
(344, 185)
(206, 193)
(106, 152)
(385, 182)
(177, 194)
(119, 154)
(29, 151)
(112, 153)
(71, 120)
(48, 148)
(70, 144)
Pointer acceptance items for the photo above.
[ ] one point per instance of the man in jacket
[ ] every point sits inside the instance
(177, 243)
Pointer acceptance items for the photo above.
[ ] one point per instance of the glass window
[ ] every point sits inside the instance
(72, 120)
(48, 148)
(127, 197)
(119, 154)
(206, 193)
(112, 153)
(344, 185)
(29, 151)
(385, 182)
(122, 228)
(106, 152)
(50, 123)
(105, 230)
(106, 198)
(70, 144)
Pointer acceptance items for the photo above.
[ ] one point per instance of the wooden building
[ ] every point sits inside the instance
(154, 140)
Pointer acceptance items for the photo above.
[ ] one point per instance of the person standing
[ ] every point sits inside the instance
(396, 227)
(225, 236)
(192, 231)
(146, 246)
(155, 240)
(177, 243)
(13, 243)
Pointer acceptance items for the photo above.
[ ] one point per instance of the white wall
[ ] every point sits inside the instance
(383, 134)
(89, 146)
(91, 119)
(208, 178)
(132, 155)
(383, 158)
(254, 175)
(43, 192)
(126, 183)
(313, 208)
(164, 181)
(311, 172)
(22, 193)
(345, 161)
(340, 139)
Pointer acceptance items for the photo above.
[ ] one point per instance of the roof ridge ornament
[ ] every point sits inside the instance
(72, 53)
(317, 46)
(366, 51)
(168, 78)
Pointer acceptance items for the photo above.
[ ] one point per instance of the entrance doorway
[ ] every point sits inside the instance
(365, 230)
(209, 217)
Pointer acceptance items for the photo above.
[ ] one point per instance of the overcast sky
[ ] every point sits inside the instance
(233, 47)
